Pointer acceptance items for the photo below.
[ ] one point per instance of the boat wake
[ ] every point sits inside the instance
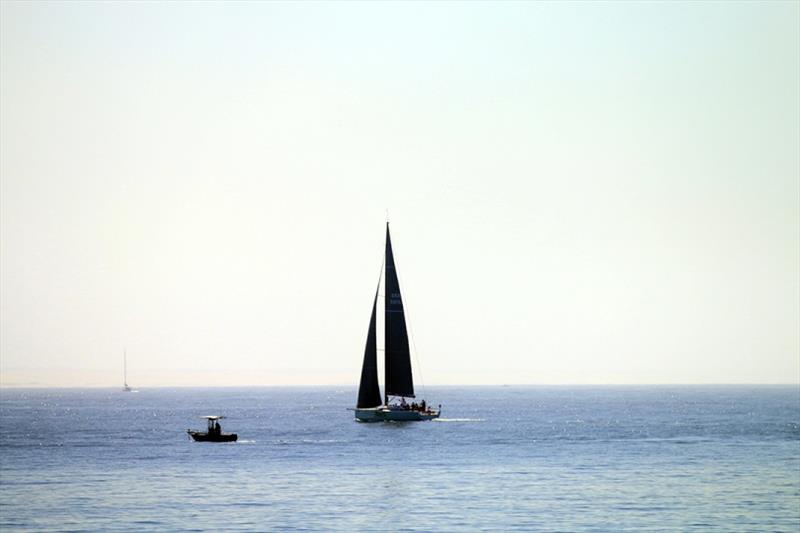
(245, 442)
(459, 420)
(292, 442)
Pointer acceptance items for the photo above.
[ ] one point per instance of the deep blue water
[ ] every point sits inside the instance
(664, 458)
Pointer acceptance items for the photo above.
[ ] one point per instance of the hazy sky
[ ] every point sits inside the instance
(579, 193)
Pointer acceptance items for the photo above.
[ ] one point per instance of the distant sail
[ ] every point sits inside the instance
(125, 386)
(369, 393)
(399, 381)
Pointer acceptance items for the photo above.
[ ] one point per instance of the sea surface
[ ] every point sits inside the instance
(535, 458)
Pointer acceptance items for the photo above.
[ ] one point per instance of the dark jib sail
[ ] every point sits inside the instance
(369, 393)
(399, 381)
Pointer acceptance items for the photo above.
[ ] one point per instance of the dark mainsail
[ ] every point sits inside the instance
(399, 381)
(369, 393)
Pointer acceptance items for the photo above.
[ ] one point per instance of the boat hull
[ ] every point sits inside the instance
(383, 414)
(202, 436)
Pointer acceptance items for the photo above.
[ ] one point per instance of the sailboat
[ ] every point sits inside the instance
(398, 381)
(125, 387)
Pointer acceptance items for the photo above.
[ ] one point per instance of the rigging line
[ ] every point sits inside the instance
(410, 329)
(380, 277)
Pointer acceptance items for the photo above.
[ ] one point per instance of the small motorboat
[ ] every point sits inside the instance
(214, 432)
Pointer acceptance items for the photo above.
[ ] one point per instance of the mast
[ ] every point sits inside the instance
(399, 381)
(125, 367)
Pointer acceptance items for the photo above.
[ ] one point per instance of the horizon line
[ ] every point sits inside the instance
(450, 385)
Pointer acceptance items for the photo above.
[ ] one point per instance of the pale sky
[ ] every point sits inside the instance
(578, 193)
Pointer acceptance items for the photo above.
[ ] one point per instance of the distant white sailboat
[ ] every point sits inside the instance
(125, 387)
(398, 381)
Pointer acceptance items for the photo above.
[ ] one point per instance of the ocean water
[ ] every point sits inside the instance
(663, 458)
